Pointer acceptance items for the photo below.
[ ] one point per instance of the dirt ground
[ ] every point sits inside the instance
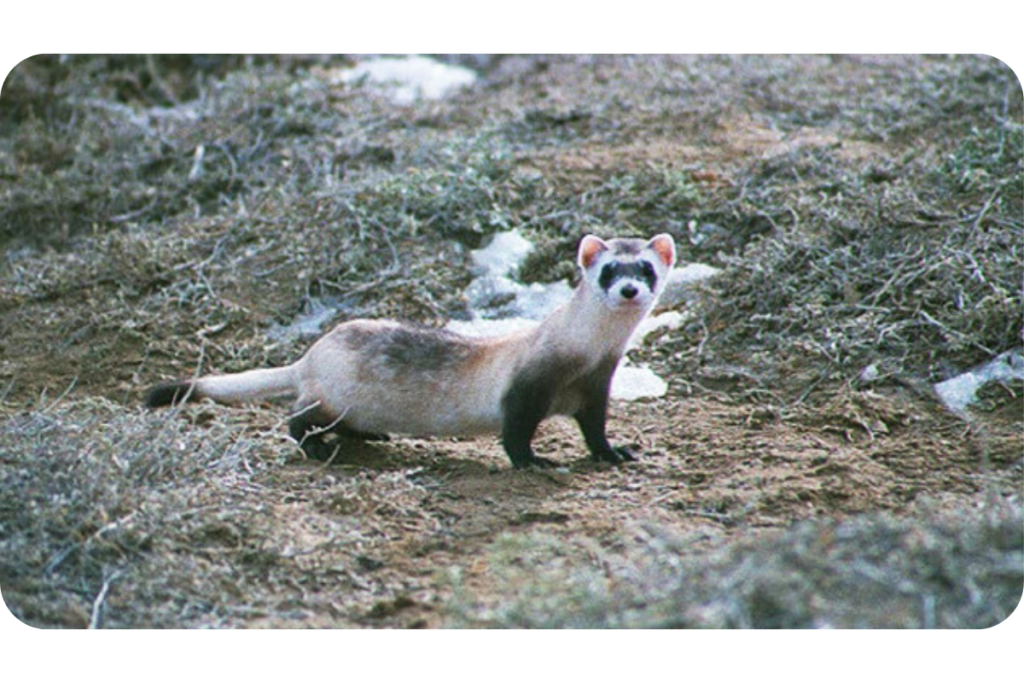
(210, 517)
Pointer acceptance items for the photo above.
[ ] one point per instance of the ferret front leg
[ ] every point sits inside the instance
(592, 420)
(525, 406)
(593, 416)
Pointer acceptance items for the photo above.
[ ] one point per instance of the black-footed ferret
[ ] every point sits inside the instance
(368, 378)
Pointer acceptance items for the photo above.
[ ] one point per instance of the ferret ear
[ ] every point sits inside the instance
(590, 248)
(665, 247)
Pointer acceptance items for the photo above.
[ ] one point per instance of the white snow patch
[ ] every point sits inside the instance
(671, 320)
(490, 291)
(959, 392)
(503, 255)
(631, 383)
(494, 294)
(410, 78)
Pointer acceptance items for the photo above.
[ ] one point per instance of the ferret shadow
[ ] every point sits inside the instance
(397, 454)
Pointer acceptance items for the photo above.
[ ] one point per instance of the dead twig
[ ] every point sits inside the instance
(97, 604)
(60, 398)
(986, 207)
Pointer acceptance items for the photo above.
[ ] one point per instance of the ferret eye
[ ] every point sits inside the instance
(606, 276)
(647, 269)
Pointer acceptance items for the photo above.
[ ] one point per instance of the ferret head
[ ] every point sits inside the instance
(627, 273)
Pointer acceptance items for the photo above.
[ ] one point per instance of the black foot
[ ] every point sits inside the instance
(318, 449)
(320, 436)
(170, 393)
(615, 455)
(536, 463)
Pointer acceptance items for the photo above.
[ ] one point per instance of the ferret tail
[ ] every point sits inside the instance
(242, 387)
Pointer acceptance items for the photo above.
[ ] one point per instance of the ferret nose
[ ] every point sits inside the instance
(629, 291)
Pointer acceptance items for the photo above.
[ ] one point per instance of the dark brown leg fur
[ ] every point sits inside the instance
(310, 427)
(170, 393)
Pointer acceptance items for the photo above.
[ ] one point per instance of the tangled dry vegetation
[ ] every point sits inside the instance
(164, 216)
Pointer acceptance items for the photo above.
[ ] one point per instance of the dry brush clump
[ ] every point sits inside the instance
(918, 271)
(95, 498)
(81, 153)
(884, 229)
(933, 569)
(124, 519)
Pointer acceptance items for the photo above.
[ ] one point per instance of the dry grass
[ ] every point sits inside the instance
(932, 569)
(94, 497)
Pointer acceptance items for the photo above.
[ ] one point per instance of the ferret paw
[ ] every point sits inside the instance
(615, 455)
(535, 462)
(317, 449)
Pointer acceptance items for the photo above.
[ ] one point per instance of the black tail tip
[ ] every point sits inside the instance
(170, 394)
